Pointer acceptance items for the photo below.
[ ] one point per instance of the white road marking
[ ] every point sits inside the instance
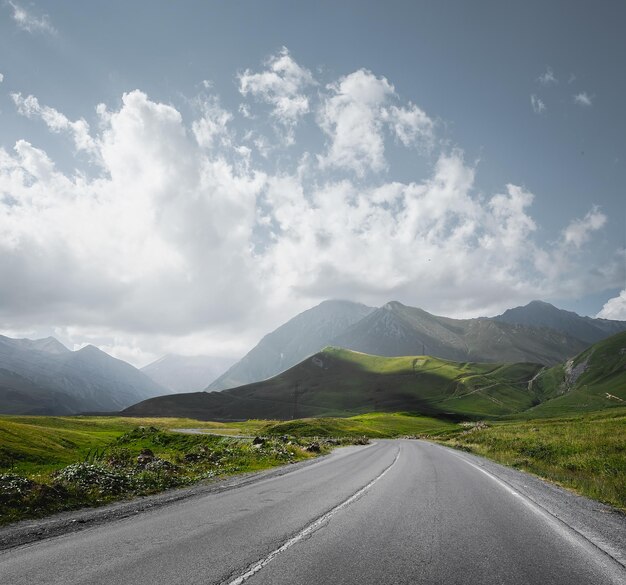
(256, 567)
(565, 530)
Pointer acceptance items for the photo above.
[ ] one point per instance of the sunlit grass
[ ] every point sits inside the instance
(586, 453)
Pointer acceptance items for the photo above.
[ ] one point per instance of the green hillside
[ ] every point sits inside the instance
(372, 424)
(339, 382)
(593, 380)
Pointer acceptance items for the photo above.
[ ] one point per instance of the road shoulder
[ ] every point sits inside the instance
(600, 524)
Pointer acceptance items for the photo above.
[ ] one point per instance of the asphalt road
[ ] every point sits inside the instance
(390, 513)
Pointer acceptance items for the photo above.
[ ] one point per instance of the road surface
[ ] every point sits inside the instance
(393, 512)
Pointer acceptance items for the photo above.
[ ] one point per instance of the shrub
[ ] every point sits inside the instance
(87, 476)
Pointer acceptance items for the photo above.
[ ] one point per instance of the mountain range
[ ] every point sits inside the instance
(341, 382)
(298, 338)
(537, 332)
(44, 377)
(542, 314)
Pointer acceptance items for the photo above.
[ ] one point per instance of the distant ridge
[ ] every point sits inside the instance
(298, 338)
(44, 377)
(542, 314)
(340, 382)
(538, 332)
(396, 329)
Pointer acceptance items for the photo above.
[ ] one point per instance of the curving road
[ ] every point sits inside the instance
(393, 512)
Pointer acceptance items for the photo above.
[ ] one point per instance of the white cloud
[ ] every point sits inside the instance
(537, 104)
(614, 308)
(1, 77)
(29, 22)
(79, 130)
(579, 231)
(182, 242)
(547, 77)
(583, 99)
(354, 115)
(410, 124)
(213, 125)
(282, 86)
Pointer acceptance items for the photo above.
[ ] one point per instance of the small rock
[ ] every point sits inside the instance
(145, 457)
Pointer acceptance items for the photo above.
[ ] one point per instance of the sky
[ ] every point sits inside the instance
(185, 177)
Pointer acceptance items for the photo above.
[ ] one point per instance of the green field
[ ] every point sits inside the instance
(50, 464)
(41, 444)
(585, 452)
(373, 425)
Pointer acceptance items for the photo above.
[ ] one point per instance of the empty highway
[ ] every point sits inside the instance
(393, 512)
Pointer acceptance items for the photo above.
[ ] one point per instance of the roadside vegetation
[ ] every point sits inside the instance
(585, 452)
(50, 464)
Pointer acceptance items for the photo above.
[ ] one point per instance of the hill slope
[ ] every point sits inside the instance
(396, 330)
(44, 377)
(302, 336)
(339, 382)
(541, 314)
(180, 373)
(593, 380)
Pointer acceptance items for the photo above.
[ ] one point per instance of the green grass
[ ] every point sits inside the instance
(585, 452)
(49, 464)
(41, 444)
(374, 425)
(343, 383)
(601, 386)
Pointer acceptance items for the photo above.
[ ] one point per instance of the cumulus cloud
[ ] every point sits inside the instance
(579, 231)
(1, 77)
(30, 22)
(409, 124)
(282, 85)
(547, 77)
(537, 104)
(354, 116)
(213, 125)
(57, 122)
(583, 99)
(183, 242)
(614, 308)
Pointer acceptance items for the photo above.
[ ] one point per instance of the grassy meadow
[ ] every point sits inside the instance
(584, 452)
(49, 464)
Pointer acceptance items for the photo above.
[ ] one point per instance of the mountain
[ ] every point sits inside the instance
(541, 314)
(339, 382)
(44, 377)
(305, 334)
(593, 380)
(179, 373)
(524, 334)
(19, 395)
(396, 329)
